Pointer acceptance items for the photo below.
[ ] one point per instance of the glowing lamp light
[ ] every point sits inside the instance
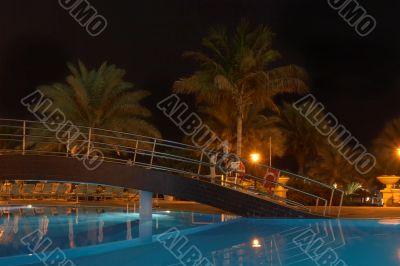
(334, 185)
(255, 157)
(29, 206)
(398, 152)
(255, 243)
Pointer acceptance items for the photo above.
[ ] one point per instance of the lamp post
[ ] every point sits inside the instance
(255, 158)
(270, 151)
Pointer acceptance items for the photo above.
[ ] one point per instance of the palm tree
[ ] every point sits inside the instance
(257, 128)
(386, 145)
(352, 188)
(100, 98)
(237, 67)
(330, 166)
(301, 137)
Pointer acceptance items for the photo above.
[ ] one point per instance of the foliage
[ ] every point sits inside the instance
(99, 98)
(352, 188)
(330, 166)
(385, 147)
(257, 129)
(301, 138)
(237, 68)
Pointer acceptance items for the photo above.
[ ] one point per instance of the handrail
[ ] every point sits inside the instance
(106, 130)
(154, 153)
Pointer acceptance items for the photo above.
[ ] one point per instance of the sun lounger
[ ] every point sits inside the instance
(63, 191)
(81, 191)
(49, 190)
(5, 190)
(114, 193)
(37, 191)
(132, 194)
(93, 191)
(27, 190)
(15, 191)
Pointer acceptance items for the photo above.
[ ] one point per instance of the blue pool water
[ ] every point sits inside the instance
(89, 236)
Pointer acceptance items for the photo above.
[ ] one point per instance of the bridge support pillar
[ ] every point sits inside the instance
(145, 215)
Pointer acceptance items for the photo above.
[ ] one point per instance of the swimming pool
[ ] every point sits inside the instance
(96, 236)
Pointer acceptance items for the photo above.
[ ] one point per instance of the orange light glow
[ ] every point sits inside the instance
(255, 157)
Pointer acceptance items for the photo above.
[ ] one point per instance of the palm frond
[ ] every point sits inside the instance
(97, 98)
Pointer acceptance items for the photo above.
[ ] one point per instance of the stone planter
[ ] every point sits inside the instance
(281, 191)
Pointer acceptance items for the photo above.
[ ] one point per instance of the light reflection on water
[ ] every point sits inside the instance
(237, 242)
(70, 228)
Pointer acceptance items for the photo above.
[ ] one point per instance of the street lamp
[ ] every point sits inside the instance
(398, 152)
(255, 157)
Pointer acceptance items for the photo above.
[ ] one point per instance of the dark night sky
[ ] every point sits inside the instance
(356, 78)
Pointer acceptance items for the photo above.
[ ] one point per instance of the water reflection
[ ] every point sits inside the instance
(71, 233)
(239, 242)
(128, 229)
(15, 224)
(70, 227)
(44, 224)
(390, 221)
(268, 247)
(101, 232)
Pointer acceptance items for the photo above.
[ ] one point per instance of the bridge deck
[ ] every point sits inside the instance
(62, 169)
(35, 150)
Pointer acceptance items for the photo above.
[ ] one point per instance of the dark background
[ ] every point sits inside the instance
(355, 77)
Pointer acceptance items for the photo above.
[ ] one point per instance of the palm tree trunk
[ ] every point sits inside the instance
(239, 124)
(239, 129)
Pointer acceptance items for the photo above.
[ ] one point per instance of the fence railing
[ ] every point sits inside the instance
(34, 138)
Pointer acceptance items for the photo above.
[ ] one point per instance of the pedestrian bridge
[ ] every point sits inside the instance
(64, 153)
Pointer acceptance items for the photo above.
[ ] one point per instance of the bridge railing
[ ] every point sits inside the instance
(34, 138)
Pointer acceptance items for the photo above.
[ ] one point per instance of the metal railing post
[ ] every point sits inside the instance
(89, 141)
(152, 153)
(199, 168)
(324, 213)
(136, 147)
(330, 201)
(340, 205)
(24, 138)
(68, 136)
